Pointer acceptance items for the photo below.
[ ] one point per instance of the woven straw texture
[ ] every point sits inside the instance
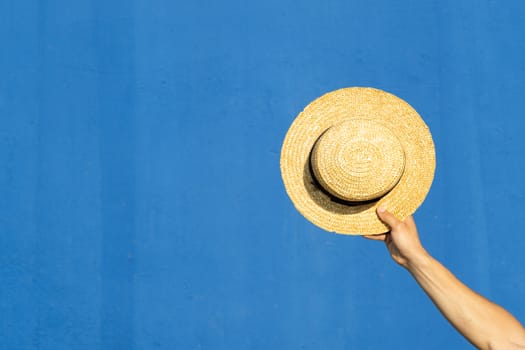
(350, 151)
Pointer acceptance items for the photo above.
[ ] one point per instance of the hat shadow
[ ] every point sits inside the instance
(328, 201)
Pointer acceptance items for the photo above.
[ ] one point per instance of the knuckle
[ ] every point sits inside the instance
(396, 225)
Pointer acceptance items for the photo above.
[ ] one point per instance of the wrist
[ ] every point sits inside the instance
(418, 261)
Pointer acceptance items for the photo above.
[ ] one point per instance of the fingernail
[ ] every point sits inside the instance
(381, 209)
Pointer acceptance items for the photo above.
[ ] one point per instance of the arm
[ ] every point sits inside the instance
(485, 324)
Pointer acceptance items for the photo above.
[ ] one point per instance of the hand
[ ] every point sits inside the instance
(485, 324)
(403, 239)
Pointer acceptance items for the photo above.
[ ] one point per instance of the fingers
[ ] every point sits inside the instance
(410, 221)
(381, 237)
(387, 217)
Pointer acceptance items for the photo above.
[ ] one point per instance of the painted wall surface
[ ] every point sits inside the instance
(141, 204)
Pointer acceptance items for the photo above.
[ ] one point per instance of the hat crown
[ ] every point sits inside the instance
(358, 160)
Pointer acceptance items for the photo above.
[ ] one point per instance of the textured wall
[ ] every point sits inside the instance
(141, 204)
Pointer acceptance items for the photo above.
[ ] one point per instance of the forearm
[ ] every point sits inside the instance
(485, 324)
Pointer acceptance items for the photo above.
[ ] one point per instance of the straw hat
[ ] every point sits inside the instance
(352, 150)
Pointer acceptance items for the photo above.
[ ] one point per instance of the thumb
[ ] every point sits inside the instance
(387, 217)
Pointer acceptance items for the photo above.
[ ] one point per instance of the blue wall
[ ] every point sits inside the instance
(141, 204)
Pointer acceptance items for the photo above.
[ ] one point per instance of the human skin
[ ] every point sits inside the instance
(483, 323)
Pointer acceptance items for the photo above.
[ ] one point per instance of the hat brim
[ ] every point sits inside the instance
(338, 216)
